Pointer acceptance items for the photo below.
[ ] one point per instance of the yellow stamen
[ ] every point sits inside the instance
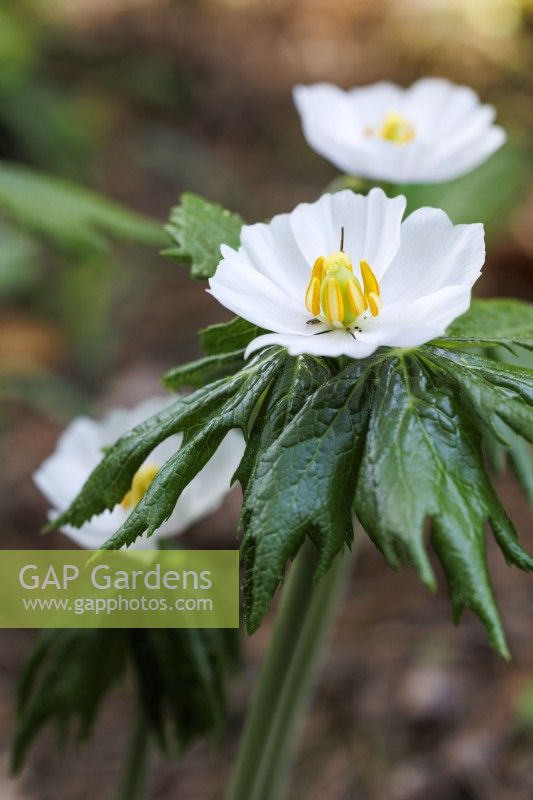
(356, 298)
(375, 303)
(312, 297)
(318, 269)
(139, 486)
(370, 281)
(332, 302)
(335, 294)
(395, 128)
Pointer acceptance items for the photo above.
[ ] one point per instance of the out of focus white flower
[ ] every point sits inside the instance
(431, 132)
(79, 450)
(345, 275)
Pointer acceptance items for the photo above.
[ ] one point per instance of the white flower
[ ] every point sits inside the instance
(387, 282)
(433, 131)
(79, 450)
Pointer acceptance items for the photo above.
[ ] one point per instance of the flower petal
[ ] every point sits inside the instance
(272, 250)
(248, 293)
(450, 163)
(330, 122)
(454, 133)
(62, 475)
(371, 227)
(437, 107)
(433, 253)
(413, 324)
(332, 343)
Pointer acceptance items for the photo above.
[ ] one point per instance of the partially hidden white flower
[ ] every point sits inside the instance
(431, 132)
(79, 450)
(345, 275)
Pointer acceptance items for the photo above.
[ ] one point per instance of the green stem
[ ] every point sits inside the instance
(133, 779)
(286, 680)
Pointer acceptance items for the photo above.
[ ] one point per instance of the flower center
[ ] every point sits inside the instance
(395, 128)
(139, 486)
(335, 293)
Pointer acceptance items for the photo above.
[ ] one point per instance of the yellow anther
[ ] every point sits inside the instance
(312, 297)
(335, 294)
(332, 301)
(375, 303)
(397, 129)
(318, 269)
(139, 486)
(370, 282)
(355, 297)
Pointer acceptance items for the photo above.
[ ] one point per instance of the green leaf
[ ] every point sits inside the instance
(500, 322)
(65, 679)
(299, 378)
(494, 392)
(181, 679)
(422, 459)
(198, 228)
(109, 482)
(235, 409)
(69, 217)
(181, 676)
(303, 483)
(227, 337)
(19, 262)
(206, 416)
(395, 438)
(392, 437)
(198, 373)
(513, 448)
(520, 454)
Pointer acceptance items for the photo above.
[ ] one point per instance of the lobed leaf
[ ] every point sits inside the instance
(65, 679)
(198, 228)
(513, 448)
(494, 391)
(303, 483)
(234, 409)
(422, 459)
(299, 378)
(394, 438)
(181, 678)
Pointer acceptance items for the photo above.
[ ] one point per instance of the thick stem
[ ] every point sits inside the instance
(286, 680)
(133, 779)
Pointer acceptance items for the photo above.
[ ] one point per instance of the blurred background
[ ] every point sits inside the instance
(140, 100)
